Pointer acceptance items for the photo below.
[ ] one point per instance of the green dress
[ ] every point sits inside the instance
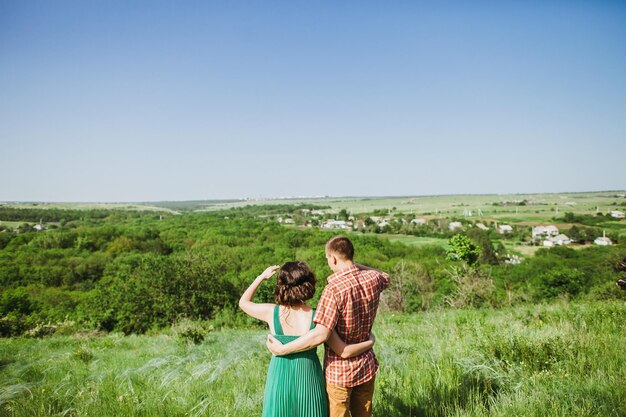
(295, 383)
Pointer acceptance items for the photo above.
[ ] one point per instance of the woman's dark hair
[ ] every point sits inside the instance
(295, 284)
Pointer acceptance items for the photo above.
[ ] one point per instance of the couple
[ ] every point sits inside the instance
(295, 385)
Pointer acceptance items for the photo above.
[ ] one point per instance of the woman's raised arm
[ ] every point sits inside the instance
(258, 311)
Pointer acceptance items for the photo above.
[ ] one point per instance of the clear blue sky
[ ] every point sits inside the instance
(149, 100)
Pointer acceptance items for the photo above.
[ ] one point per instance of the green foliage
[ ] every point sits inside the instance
(133, 272)
(16, 301)
(412, 288)
(484, 243)
(566, 281)
(472, 288)
(159, 291)
(192, 331)
(462, 248)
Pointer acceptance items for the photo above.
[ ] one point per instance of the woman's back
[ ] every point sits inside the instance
(292, 321)
(295, 382)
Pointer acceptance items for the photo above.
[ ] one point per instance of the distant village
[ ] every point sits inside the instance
(548, 235)
(391, 221)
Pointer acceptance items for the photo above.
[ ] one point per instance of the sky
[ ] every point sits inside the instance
(191, 100)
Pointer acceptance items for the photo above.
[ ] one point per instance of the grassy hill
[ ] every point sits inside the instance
(551, 360)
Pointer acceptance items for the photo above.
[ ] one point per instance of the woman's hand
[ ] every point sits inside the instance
(269, 271)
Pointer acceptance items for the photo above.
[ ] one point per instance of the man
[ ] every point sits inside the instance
(348, 305)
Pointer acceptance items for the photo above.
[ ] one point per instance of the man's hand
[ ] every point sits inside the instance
(274, 346)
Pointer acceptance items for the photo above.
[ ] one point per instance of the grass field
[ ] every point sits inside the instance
(545, 360)
(11, 224)
(87, 206)
(538, 207)
(416, 240)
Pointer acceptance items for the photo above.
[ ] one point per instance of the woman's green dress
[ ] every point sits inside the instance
(295, 383)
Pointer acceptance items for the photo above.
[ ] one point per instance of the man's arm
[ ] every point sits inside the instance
(384, 277)
(366, 268)
(312, 338)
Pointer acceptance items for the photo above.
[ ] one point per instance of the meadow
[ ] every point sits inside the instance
(529, 207)
(552, 360)
(130, 312)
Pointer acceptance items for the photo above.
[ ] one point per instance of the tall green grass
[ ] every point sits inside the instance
(546, 360)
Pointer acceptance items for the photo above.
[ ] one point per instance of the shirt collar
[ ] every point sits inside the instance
(343, 272)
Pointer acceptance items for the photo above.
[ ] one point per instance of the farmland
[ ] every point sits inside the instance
(523, 207)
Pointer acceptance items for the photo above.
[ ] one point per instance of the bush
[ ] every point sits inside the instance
(41, 330)
(193, 331)
(16, 301)
(570, 282)
(473, 288)
(411, 288)
(12, 325)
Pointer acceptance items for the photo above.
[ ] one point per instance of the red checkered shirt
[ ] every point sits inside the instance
(348, 305)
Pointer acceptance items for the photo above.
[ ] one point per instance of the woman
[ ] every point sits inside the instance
(295, 383)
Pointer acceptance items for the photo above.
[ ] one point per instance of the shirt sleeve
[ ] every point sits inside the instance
(384, 280)
(327, 312)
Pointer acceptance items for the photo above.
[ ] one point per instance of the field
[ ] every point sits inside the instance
(548, 360)
(416, 240)
(87, 206)
(536, 207)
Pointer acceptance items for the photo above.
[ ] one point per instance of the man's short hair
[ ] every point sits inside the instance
(342, 247)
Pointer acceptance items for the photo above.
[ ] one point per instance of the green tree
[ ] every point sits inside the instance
(487, 251)
(462, 248)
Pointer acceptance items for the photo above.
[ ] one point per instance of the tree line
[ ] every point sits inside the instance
(134, 272)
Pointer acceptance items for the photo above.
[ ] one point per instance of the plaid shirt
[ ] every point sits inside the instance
(348, 305)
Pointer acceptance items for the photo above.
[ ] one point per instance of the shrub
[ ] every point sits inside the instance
(411, 288)
(191, 330)
(473, 288)
(570, 282)
(41, 330)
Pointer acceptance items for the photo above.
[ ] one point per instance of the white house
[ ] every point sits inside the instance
(481, 226)
(335, 224)
(617, 214)
(418, 221)
(383, 223)
(558, 240)
(39, 227)
(504, 228)
(603, 241)
(455, 225)
(540, 231)
(288, 221)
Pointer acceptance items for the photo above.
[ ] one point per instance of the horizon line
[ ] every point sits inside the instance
(287, 198)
